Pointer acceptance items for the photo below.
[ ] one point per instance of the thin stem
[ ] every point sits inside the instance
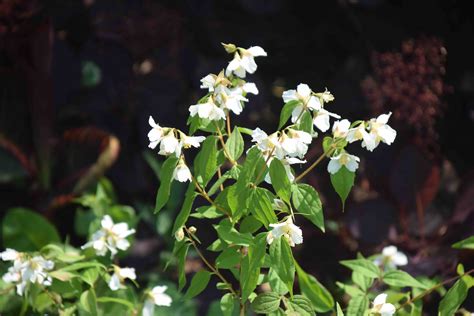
(224, 147)
(227, 121)
(320, 158)
(434, 288)
(203, 193)
(210, 266)
(219, 175)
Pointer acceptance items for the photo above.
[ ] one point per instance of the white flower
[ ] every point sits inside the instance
(110, 237)
(157, 297)
(208, 110)
(391, 258)
(303, 94)
(326, 96)
(10, 255)
(156, 133)
(296, 142)
(230, 99)
(244, 61)
(208, 82)
(119, 276)
(170, 145)
(286, 161)
(321, 119)
(380, 131)
(351, 162)
(249, 87)
(268, 143)
(381, 307)
(182, 172)
(288, 230)
(191, 141)
(358, 133)
(340, 129)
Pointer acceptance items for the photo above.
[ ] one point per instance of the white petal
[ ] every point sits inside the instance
(383, 118)
(249, 64)
(352, 164)
(400, 259)
(296, 113)
(152, 123)
(380, 299)
(256, 51)
(148, 308)
(387, 134)
(10, 254)
(387, 310)
(107, 222)
(159, 289)
(321, 121)
(194, 141)
(128, 273)
(250, 87)
(303, 90)
(296, 234)
(289, 95)
(114, 283)
(389, 251)
(334, 166)
(293, 160)
(369, 141)
(314, 103)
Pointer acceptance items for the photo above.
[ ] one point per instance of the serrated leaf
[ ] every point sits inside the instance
(166, 177)
(198, 284)
(363, 282)
(306, 201)
(228, 258)
(251, 265)
(301, 305)
(90, 276)
(235, 144)
(266, 303)
(286, 112)
(261, 205)
(357, 306)
(280, 181)
(351, 290)
(401, 279)
(467, 243)
(282, 261)
(321, 299)
(453, 298)
(205, 163)
(230, 235)
(342, 182)
(363, 266)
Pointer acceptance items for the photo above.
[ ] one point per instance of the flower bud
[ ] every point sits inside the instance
(230, 48)
(179, 234)
(192, 229)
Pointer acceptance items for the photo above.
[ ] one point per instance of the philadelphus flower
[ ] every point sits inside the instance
(230, 99)
(351, 162)
(321, 119)
(182, 172)
(378, 131)
(110, 237)
(295, 143)
(340, 129)
(208, 110)
(119, 276)
(26, 270)
(381, 307)
(244, 61)
(157, 297)
(288, 230)
(169, 143)
(304, 94)
(268, 143)
(391, 258)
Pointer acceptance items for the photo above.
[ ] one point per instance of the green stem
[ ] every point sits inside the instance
(204, 194)
(224, 147)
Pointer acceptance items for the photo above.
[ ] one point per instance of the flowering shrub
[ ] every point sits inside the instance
(257, 199)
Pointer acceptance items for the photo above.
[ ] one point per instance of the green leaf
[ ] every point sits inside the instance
(90, 276)
(342, 181)
(282, 261)
(351, 290)
(286, 112)
(339, 310)
(467, 243)
(167, 170)
(306, 201)
(207, 211)
(230, 235)
(185, 211)
(306, 123)
(254, 162)
(401, 279)
(83, 265)
(276, 284)
(106, 299)
(25, 230)
(280, 181)
(453, 298)
(266, 303)
(251, 265)
(363, 266)
(62, 275)
(363, 282)
(319, 296)
(357, 306)
(228, 258)
(180, 251)
(198, 284)
(88, 302)
(250, 224)
(302, 305)
(235, 144)
(205, 164)
(261, 204)
(228, 304)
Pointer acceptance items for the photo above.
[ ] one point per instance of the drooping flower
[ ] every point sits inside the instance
(244, 61)
(340, 129)
(268, 144)
(391, 258)
(182, 172)
(303, 94)
(321, 119)
(359, 133)
(190, 141)
(156, 296)
(380, 131)
(208, 110)
(118, 278)
(381, 307)
(170, 145)
(230, 99)
(295, 142)
(292, 233)
(351, 162)
(111, 237)
(155, 134)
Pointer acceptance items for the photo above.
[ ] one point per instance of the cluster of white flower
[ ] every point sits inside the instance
(117, 280)
(381, 307)
(391, 258)
(111, 237)
(288, 230)
(26, 269)
(156, 296)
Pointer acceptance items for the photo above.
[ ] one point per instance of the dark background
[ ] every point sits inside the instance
(78, 76)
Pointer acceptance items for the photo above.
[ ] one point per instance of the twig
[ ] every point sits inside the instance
(224, 147)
